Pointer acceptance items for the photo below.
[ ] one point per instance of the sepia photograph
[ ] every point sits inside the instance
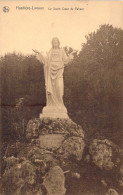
(61, 86)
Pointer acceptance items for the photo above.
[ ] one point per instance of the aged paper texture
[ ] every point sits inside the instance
(61, 78)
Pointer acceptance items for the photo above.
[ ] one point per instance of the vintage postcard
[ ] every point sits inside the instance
(61, 81)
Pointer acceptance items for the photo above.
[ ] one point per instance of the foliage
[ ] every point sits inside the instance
(94, 82)
(23, 93)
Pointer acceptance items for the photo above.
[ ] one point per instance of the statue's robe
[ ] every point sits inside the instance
(53, 70)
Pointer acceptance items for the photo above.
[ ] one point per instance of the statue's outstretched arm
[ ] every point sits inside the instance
(40, 56)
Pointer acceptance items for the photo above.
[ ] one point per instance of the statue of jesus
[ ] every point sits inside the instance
(54, 64)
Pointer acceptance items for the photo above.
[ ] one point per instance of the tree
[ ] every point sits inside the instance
(101, 62)
(104, 46)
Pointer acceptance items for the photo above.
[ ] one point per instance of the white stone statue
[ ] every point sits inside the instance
(54, 63)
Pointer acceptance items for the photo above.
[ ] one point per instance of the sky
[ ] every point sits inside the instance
(23, 30)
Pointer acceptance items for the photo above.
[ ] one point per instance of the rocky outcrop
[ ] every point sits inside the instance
(62, 137)
(104, 153)
(39, 165)
(54, 181)
(55, 160)
(19, 176)
(46, 126)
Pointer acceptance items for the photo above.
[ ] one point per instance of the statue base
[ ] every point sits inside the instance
(54, 115)
(54, 112)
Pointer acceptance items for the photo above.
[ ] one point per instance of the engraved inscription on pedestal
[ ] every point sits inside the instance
(51, 141)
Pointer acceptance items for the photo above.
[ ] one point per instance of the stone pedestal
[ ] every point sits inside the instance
(54, 115)
(54, 112)
(61, 135)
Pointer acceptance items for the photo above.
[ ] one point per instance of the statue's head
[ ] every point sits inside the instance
(55, 42)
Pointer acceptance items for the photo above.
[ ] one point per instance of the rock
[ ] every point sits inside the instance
(102, 153)
(35, 153)
(32, 130)
(54, 181)
(43, 159)
(111, 192)
(43, 126)
(18, 176)
(73, 146)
